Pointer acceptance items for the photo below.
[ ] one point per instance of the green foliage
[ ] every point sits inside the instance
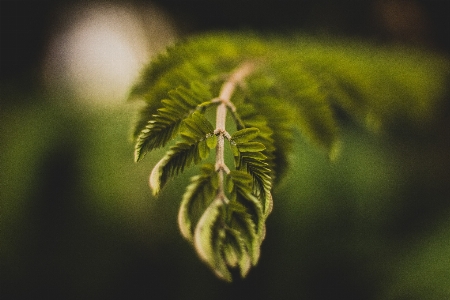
(196, 199)
(270, 87)
(164, 125)
(197, 133)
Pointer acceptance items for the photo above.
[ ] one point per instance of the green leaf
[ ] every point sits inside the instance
(249, 157)
(235, 252)
(250, 147)
(245, 135)
(209, 237)
(314, 114)
(196, 199)
(179, 157)
(262, 182)
(202, 123)
(276, 157)
(191, 129)
(241, 179)
(232, 251)
(197, 126)
(255, 156)
(196, 130)
(242, 222)
(155, 129)
(268, 205)
(241, 191)
(203, 150)
(211, 141)
(186, 97)
(234, 149)
(155, 135)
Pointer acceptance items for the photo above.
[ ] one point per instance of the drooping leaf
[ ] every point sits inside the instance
(155, 134)
(235, 252)
(209, 237)
(178, 157)
(241, 191)
(242, 221)
(196, 199)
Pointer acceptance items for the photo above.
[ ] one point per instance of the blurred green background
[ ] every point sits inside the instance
(77, 218)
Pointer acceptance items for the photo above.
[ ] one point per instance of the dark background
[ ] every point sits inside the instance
(372, 226)
(26, 25)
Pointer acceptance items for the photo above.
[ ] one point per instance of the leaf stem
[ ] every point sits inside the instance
(236, 78)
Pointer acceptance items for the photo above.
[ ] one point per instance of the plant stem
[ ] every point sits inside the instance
(236, 78)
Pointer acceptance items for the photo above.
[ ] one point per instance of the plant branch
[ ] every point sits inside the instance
(236, 78)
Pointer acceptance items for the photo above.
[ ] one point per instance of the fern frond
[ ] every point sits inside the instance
(196, 199)
(249, 157)
(271, 87)
(197, 130)
(240, 188)
(179, 157)
(262, 182)
(209, 238)
(278, 143)
(226, 238)
(235, 252)
(280, 119)
(242, 221)
(164, 125)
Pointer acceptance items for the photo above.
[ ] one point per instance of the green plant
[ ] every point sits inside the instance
(269, 86)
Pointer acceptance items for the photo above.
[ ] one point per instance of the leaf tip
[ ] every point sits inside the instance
(155, 178)
(137, 155)
(184, 224)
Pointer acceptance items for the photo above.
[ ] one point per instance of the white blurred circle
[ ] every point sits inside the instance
(98, 50)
